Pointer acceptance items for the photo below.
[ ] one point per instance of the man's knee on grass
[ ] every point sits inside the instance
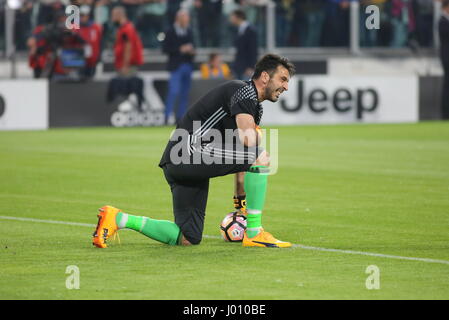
(184, 242)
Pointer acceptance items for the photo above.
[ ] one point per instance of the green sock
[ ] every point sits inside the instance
(160, 230)
(256, 188)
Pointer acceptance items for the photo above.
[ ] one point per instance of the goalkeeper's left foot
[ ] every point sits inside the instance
(106, 227)
(240, 204)
(264, 239)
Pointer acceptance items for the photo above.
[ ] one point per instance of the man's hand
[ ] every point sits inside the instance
(124, 71)
(187, 48)
(32, 45)
(126, 60)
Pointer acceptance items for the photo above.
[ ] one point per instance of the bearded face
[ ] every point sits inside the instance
(273, 90)
(277, 84)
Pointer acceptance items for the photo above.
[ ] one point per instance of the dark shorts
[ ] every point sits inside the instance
(189, 184)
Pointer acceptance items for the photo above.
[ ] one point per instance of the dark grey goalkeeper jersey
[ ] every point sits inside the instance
(217, 110)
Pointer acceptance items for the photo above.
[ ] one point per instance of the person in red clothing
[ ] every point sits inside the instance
(91, 33)
(128, 49)
(37, 58)
(44, 45)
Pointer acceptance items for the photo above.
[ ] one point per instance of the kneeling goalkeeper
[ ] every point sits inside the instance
(194, 155)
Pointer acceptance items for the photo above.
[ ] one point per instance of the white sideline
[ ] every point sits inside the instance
(362, 253)
(48, 221)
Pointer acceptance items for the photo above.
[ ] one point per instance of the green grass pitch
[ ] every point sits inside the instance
(369, 188)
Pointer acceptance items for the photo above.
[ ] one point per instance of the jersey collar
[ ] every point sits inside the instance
(259, 104)
(253, 85)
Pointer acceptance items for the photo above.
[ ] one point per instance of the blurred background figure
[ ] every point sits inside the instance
(56, 52)
(371, 38)
(443, 28)
(284, 21)
(173, 7)
(150, 21)
(40, 42)
(226, 24)
(38, 50)
(424, 11)
(208, 13)
(101, 12)
(297, 23)
(131, 8)
(23, 24)
(403, 22)
(310, 17)
(336, 24)
(178, 45)
(128, 56)
(245, 45)
(91, 33)
(46, 10)
(128, 49)
(215, 68)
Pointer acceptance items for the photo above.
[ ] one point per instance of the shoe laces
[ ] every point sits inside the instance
(117, 237)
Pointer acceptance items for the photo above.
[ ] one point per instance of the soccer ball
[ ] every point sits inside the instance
(233, 227)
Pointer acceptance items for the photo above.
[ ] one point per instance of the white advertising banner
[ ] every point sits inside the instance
(23, 104)
(339, 99)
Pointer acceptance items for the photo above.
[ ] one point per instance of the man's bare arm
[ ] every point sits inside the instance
(246, 126)
(126, 58)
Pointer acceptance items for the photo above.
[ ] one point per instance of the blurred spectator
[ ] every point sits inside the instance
(424, 21)
(22, 25)
(150, 22)
(91, 34)
(37, 53)
(128, 49)
(284, 21)
(102, 16)
(209, 21)
(371, 38)
(215, 68)
(227, 30)
(101, 12)
(54, 51)
(172, 8)
(403, 22)
(131, 8)
(245, 44)
(298, 23)
(443, 28)
(128, 52)
(336, 33)
(47, 10)
(311, 14)
(255, 11)
(178, 45)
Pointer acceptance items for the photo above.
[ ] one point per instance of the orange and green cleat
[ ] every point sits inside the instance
(106, 226)
(264, 239)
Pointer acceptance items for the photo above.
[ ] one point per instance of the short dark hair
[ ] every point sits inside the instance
(445, 3)
(270, 63)
(239, 14)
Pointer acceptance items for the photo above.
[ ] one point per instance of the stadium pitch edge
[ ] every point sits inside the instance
(298, 246)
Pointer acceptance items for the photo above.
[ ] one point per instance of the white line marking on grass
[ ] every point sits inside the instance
(300, 246)
(362, 253)
(48, 221)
